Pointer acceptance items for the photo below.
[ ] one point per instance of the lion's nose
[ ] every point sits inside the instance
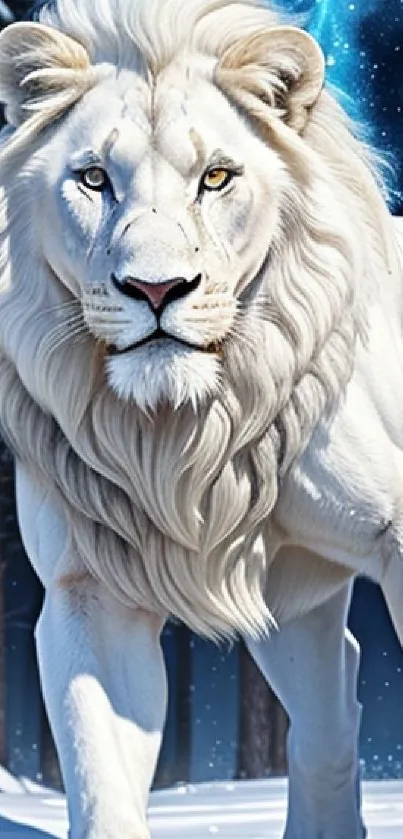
(156, 294)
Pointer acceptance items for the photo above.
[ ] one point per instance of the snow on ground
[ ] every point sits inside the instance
(238, 810)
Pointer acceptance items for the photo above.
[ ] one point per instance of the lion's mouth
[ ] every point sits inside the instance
(158, 335)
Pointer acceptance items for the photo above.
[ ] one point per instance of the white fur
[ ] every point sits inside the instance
(240, 473)
(310, 657)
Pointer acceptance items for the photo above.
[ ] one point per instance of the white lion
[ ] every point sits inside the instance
(201, 363)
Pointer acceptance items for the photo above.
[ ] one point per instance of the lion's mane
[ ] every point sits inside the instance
(172, 512)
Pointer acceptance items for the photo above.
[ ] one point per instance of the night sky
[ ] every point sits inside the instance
(363, 44)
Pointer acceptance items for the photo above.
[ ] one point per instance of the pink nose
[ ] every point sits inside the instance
(155, 293)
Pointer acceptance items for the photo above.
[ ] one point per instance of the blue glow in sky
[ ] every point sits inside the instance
(363, 44)
(336, 25)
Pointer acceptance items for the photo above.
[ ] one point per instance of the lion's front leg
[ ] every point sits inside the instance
(312, 665)
(103, 679)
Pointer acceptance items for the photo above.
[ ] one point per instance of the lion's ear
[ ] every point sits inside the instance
(39, 66)
(282, 67)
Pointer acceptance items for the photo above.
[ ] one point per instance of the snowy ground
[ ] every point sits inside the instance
(246, 810)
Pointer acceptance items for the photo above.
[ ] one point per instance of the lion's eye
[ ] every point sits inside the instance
(94, 178)
(216, 178)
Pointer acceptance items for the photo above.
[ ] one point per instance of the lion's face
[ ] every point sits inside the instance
(162, 192)
(160, 208)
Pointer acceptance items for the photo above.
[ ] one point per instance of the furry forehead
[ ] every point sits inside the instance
(46, 66)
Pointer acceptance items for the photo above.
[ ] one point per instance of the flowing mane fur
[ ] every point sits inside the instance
(173, 511)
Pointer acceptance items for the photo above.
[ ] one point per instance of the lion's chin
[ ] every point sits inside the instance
(156, 374)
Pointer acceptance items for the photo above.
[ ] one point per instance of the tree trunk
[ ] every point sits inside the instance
(2, 672)
(6, 501)
(263, 724)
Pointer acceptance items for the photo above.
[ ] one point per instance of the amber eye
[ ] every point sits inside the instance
(216, 178)
(94, 178)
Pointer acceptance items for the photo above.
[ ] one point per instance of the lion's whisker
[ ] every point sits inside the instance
(62, 308)
(63, 331)
(72, 321)
(70, 335)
